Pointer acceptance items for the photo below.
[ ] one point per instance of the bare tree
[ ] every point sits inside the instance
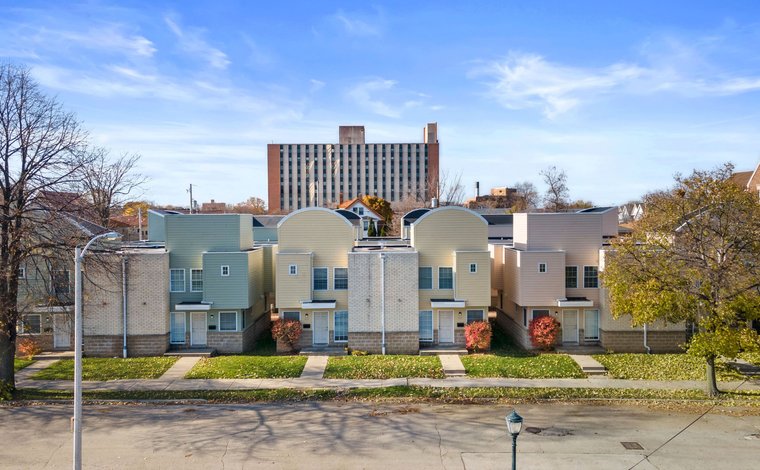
(557, 194)
(450, 189)
(109, 183)
(40, 158)
(528, 197)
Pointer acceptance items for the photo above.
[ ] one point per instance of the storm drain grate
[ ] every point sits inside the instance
(632, 446)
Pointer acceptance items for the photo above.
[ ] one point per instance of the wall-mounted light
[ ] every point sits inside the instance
(460, 314)
(212, 316)
(306, 315)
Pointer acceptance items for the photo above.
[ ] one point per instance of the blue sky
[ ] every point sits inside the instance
(622, 95)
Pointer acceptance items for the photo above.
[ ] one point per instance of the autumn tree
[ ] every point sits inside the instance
(556, 197)
(527, 197)
(383, 209)
(134, 208)
(693, 257)
(253, 205)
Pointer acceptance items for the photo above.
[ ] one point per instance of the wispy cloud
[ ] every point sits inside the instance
(316, 85)
(358, 24)
(191, 41)
(364, 95)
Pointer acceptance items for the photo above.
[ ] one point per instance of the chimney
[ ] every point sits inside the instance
(477, 189)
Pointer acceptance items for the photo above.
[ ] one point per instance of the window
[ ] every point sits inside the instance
(293, 269)
(320, 278)
(542, 267)
(176, 280)
(61, 282)
(571, 277)
(591, 325)
(340, 279)
(341, 326)
(177, 328)
(31, 325)
(287, 316)
(22, 273)
(590, 276)
(227, 321)
(196, 280)
(539, 313)
(426, 278)
(474, 315)
(473, 268)
(525, 316)
(225, 270)
(426, 325)
(360, 210)
(445, 278)
(366, 225)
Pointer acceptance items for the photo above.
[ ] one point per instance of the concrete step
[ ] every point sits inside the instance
(54, 355)
(323, 351)
(588, 364)
(207, 352)
(452, 365)
(439, 351)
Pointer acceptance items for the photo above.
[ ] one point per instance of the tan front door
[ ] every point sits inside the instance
(321, 328)
(570, 326)
(446, 326)
(198, 328)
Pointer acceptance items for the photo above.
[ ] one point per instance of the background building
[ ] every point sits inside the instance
(324, 175)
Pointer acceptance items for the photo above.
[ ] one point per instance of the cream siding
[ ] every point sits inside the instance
(474, 288)
(293, 289)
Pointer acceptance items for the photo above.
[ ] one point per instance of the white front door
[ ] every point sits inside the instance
(61, 331)
(446, 326)
(570, 326)
(320, 328)
(198, 328)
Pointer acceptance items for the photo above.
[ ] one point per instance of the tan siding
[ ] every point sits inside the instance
(540, 288)
(292, 290)
(474, 288)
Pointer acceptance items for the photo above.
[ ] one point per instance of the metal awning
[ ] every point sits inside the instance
(317, 304)
(53, 309)
(193, 306)
(575, 302)
(444, 303)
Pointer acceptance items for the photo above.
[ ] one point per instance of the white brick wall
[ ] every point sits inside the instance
(401, 292)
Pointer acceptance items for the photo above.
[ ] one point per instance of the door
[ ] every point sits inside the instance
(61, 331)
(570, 326)
(198, 329)
(321, 328)
(446, 326)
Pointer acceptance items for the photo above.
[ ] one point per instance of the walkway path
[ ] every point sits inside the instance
(27, 372)
(180, 368)
(452, 365)
(588, 364)
(315, 367)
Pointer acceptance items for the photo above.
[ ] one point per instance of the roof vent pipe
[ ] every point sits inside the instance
(434, 203)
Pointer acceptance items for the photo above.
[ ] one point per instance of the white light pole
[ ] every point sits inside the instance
(78, 334)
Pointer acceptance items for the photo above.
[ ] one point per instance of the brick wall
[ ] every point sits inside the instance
(137, 345)
(633, 341)
(396, 342)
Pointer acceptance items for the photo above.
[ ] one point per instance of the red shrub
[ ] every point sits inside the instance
(287, 331)
(28, 348)
(543, 332)
(478, 336)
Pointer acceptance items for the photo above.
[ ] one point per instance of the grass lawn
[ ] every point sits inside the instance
(248, 367)
(662, 367)
(109, 368)
(383, 367)
(19, 364)
(508, 360)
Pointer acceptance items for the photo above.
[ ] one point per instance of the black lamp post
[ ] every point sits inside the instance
(514, 426)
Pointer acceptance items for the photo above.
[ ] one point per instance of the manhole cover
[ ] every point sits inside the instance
(533, 430)
(632, 445)
(556, 432)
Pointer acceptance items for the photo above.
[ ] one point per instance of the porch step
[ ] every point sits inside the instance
(588, 364)
(439, 351)
(322, 351)
(191, 352)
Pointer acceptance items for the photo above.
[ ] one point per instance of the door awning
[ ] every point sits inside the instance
(193, 306)
(444, 303)
(317, 304)
(575, 302)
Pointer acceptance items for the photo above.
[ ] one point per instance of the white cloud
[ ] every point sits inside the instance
(363, 93)
(316, 85)
(191, 41)
(357, 25)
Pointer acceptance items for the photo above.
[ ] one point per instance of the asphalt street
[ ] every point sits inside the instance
(330, 435)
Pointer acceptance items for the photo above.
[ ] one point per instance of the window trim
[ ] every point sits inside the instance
(533, 313)
(290, 311)
(192, 271)
(432, 283)
(467, 314)
(335, 278)
(292, 270)
(584, 276)
(432, 327)
(576, 277)
(184, 280)
(22, 272)
(221, 270)
(439, 278)
(237, 321)
(545, 266)
(473, 265)
(22, 324)
(335, 331)
(314, 278)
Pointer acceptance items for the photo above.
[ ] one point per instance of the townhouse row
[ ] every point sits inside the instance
(216, 281)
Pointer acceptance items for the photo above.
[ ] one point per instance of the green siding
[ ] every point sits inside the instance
(265, 234)
(227, 292)
(156, 227)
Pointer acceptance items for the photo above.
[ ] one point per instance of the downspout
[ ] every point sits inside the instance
(382, 301)
(646, 346)
(124, 302)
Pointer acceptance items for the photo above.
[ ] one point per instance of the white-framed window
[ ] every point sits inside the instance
(228, 321)
(293, 270)
(426, 325)
(22, 273)
(445, 277)
(340, 326)
(473, 268)
(31, 324)
(542, 268)
(571, 277)
(225, 270)
(340, 278)
(426, 277)
(287, 316)
(591, 325)
(177, 280)
(590, 277)
(196, 280)
(474, 315)
(61, 281)
(365, 224)
(177, 326)
(320, 279)
(360, 210)
(538, 313)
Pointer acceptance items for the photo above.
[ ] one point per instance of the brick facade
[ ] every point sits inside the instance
(396, 342)
(137, 345)
(633, 341)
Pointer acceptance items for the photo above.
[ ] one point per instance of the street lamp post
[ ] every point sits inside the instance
(78, 334)
(514, 426)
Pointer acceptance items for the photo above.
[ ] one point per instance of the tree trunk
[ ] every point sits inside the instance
(7, 354)
(712, 384)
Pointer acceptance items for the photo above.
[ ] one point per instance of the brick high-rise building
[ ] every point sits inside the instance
(306, 175)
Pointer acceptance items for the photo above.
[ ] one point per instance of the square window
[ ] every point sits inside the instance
(590, 277)
(341, 326)
(473, 268)
(539, 313)
(31, 324)
(225, 270)
(340, 279)
(571, 277)
(293, 269)
(196, 280)
(426, 278)
(227, 321)
(542, 267)
(474, 315)
(445, 278)
(320, 278)
(288, 316)
(176, 280)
